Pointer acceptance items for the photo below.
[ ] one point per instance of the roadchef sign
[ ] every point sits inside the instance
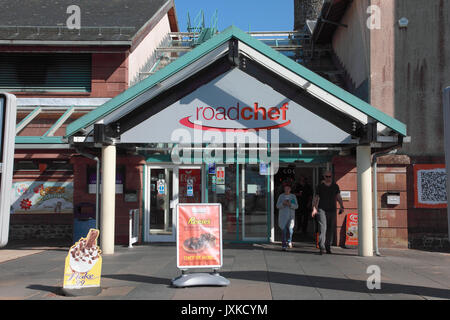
(199, 235)
(221, 112)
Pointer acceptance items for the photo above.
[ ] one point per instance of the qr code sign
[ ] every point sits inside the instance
(431, 187)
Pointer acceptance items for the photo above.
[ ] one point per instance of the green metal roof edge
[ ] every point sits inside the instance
(39, 140)
(149, 82)
(210, 45)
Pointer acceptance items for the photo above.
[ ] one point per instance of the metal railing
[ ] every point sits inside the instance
(133, 235)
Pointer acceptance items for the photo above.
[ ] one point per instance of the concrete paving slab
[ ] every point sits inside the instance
(199, 293)
(255, 271)
(247, 290)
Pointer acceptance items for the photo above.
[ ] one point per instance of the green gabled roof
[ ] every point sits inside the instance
(213, 43)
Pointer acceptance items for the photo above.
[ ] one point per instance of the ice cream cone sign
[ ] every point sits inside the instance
(83, 263)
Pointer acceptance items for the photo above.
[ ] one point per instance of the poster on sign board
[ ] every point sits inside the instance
(199, 235)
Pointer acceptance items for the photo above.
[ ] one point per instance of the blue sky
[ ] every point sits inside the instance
(262, 15)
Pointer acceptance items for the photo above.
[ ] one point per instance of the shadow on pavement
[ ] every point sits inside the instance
(52, 289)
(336, 283)
(358, 286)
(139, 278)
(52, 245)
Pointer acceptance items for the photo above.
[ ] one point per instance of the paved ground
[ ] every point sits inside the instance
(255, 271)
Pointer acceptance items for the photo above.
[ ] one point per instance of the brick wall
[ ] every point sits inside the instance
(109, 74)
(109, 70)
(345, 176)
(424, 222)
(37, 226)
(392, 220)
(133, 181)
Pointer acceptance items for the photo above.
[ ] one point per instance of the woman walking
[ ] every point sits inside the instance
(287, 204)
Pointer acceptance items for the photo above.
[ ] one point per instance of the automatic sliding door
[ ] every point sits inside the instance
(255, 208)
(223, 190)
(161, 195)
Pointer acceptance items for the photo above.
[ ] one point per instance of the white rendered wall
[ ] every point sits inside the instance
(144, 52)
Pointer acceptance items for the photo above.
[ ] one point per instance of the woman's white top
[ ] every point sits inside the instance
(286, 213)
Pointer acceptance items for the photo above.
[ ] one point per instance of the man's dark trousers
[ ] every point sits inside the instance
(327, 228)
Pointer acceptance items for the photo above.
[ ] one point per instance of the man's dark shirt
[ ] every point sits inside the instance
(306, 194)
(327, 195)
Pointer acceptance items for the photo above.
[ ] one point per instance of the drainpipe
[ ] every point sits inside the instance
(375, 156)
(97, 182)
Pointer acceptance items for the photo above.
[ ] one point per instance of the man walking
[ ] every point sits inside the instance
(324, 206)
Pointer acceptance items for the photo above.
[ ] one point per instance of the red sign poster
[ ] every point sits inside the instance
(199, 235)
(351, 229)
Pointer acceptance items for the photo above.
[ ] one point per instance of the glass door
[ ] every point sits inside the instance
(190, 185)
(169, 185)
(254, 204)
(161, 203)
(222, 189)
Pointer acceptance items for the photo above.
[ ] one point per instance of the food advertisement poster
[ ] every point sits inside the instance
(199, 235)
(42, 197)
(351, 229)
(83, 263)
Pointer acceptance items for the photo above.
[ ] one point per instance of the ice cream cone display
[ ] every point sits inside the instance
(85, 253)
(83, 263)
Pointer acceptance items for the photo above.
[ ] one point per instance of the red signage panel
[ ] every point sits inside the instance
(351, 229)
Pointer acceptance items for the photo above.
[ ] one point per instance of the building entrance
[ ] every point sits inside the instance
(303, 179)
(168, 185)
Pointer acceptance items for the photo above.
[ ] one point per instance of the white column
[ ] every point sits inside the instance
(108, 199)
(365, 232)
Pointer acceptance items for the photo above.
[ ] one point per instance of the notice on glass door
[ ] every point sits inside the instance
(220, 175)
(199, 235)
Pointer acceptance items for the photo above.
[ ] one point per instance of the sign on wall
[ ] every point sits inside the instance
(199, 235)
(430, 181)
(42, 197)
(214, 111)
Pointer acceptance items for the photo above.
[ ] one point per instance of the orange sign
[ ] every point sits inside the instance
(351, 229)
(199, 235)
